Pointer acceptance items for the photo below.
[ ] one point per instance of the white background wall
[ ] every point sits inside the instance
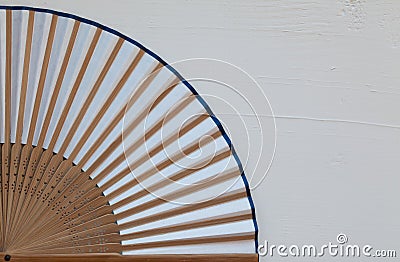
(331, 73)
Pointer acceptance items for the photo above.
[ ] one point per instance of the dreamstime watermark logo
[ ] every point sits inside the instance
(340, 248)
(168, 137)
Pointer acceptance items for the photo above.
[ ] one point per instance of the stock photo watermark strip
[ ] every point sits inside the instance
(339, 248)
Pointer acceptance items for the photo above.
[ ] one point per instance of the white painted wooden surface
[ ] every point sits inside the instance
(331, 72)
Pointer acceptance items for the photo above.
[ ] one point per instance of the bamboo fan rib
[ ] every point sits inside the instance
(106, 149)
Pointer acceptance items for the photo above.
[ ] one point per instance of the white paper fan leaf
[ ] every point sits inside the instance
(106, 149)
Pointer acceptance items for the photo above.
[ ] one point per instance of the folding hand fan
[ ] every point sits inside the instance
(108, 153)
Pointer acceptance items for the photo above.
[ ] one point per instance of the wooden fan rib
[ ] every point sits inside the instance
(74, 89)
(14, 164)
(56, 182)
(7, 108)
(117, 118)
(23, 166)
(36, 191)
(56, 236)
(149, 133)
(52, 102)
(42, 78)
(64, 167)
(25, 73)
(91, 214)
(20, 120)
(7, 125)
(66, 187)
(90, 198)
(24, 198)
(45, 180)
(100, 248)
(59, 82)
(107, 229)
(71, 194)
(69, 235)
(191, 241)
(107, 239)
(226, 197)
(55, 161)
(185, 129)
(15, 158)
(106, 105)
(30, 217)
(37, 164)
(91, 95)
(168, 141)
(169, 86)
(163, 120)
(216, 179)
(189, 149)
(118, 141)
(43, 161)
(54, 203)
(74, 208)
(79, 223)
(112, 147)
(57, 203)
(176, 177)
(80, 218)
(155, 150)
(87, 224)
(38, 175)
(164, 164)
(158, 244)
(199, 223)
(21, 113)
(6, 154)
(68, 227)
(50, 171)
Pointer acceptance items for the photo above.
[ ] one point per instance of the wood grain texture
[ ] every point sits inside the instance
(137, 258)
